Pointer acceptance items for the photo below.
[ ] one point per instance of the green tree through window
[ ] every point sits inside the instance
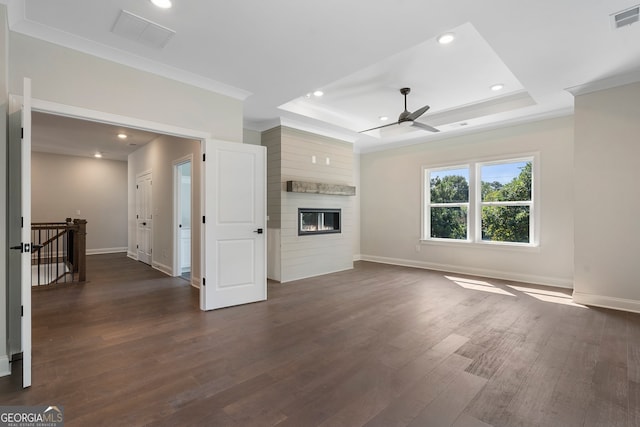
(505, 218)
(504, 208)
(449, 203)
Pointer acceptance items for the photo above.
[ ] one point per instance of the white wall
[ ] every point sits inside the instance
(390, 205)
(62, 185)
(69, 77)
(158, 157)
(607, 199)
(4, 38)
(251, 137)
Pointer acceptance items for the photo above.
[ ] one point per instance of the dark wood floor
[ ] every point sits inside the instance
(376, 346)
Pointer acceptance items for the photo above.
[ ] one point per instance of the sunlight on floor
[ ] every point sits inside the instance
(546, 295)
(478, 285)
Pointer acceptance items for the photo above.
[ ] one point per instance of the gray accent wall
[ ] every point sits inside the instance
(289, 157)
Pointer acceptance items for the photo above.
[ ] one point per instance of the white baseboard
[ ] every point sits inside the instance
(459, 269)
(132, 255)
(100, 251)
(315, 275)
(5, 367)
(357, 257)
(163, 268)
(607, 302)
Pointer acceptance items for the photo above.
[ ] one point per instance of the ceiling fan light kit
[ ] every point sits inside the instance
(407, 118)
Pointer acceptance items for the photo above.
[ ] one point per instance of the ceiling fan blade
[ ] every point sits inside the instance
(379, 127)
(418, 112)
(425, 127)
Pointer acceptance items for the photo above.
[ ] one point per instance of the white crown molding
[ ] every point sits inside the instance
(346, 136)
(20, 24)
(561, 112)
(606, 83)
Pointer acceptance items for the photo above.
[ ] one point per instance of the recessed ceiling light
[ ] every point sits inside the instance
(122, 135)
(446, 38)
(98, 155)
(162, 4)
(496, 87)
(318, 93)
(383, 118)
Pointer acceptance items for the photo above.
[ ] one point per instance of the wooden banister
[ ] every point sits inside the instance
(65, 242)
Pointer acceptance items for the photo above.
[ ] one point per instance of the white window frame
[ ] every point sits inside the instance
(474, 206)
(427, 205)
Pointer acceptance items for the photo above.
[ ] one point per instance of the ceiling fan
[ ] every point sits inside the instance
(407, 117)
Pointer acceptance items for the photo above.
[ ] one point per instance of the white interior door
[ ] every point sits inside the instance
(144, 218)
(19, 230)
(234, 243)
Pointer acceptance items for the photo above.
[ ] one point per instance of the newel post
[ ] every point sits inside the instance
(81, 245)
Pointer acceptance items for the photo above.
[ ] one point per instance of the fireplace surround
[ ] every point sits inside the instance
(318, 221)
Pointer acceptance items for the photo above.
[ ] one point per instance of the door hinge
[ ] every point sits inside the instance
(21, 133)
(22, 311)
(137, 246)
(204, 157)
(204, 282)
(21, 222)
(137, 188)
(203, 219)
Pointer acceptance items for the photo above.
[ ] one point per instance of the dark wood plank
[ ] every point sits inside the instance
(379, 345)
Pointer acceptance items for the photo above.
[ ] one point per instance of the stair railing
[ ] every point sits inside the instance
(58, 252)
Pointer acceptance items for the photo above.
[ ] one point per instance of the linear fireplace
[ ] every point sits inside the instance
(318, 221)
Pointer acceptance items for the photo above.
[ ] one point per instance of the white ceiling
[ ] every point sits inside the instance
(360, 53)
(74, 137)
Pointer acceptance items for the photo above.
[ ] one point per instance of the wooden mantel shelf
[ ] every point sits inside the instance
(320, 188)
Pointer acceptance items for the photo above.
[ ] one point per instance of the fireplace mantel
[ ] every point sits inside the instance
(320, 188)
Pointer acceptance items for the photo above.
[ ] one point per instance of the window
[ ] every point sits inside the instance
(449, 203)
(490, 202)
(505, 207)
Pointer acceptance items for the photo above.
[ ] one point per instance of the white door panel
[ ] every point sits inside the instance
(234, 244)
(19, 262)
(144, 217)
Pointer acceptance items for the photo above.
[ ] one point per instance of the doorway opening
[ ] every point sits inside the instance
(183, 207)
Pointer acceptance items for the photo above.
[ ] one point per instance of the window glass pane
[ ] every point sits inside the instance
(506, 182)
(449, 223)
(505, 223)
(449, 185)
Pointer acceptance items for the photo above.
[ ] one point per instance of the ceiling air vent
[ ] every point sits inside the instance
(141, 30)
(625, 17)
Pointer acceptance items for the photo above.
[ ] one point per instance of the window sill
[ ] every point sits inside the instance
(511, 247)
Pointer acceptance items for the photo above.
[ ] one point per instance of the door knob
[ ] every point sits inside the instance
(259, 231)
